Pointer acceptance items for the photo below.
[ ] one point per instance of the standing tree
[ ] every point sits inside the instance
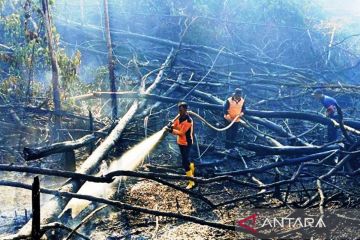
(111, 61)
(54, 64)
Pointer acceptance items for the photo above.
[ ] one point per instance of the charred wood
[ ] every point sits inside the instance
(40, 152)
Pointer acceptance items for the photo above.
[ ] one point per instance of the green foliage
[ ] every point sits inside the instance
(101, 81)
(12, 28)
(68, 71)
(34, 53)
(11, 87)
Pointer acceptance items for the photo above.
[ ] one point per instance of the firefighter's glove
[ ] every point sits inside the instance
(169, 127)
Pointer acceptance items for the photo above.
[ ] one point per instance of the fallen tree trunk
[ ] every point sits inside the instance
(203, 95)
(40, 152)
(55, 205)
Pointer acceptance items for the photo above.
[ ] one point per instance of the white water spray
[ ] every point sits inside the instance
(128, 161)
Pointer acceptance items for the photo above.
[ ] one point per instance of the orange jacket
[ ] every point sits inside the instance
(183, 128)
(235, 109)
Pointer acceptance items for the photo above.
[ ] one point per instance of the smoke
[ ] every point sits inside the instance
(130, 160)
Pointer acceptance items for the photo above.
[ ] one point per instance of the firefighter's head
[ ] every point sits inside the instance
(182, 108)
(318, 94)
(238, 93)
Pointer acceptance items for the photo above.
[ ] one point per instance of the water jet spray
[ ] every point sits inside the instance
(130, 160)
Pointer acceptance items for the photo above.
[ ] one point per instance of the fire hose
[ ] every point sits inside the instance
(207, 123)
(213, 127)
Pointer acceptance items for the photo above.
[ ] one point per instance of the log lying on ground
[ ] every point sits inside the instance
(40, 152)
(54, 206)
(285, 150)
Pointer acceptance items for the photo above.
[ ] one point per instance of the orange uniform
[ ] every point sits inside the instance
(234, 108)
(183, 128)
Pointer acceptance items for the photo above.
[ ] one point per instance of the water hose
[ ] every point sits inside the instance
(211, 126)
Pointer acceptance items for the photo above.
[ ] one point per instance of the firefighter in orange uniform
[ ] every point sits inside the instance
(183, 128)
(234, 106)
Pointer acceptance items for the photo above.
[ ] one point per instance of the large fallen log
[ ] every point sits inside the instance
(40, 152)
(55, 205)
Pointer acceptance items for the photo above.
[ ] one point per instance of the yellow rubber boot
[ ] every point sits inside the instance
(192, 168)
(191, 184)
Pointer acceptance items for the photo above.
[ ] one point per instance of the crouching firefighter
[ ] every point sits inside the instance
(183, 127)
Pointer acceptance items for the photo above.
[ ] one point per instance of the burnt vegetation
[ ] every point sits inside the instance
(82, 82)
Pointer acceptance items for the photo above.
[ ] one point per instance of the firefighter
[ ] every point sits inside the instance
(234, 106)
(331, 109)
(183, 127)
